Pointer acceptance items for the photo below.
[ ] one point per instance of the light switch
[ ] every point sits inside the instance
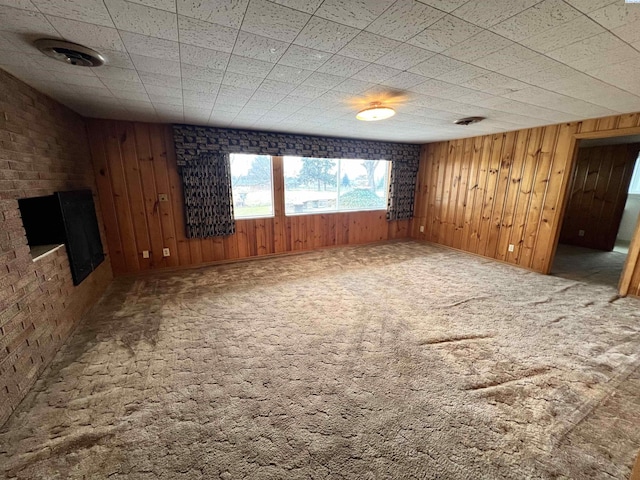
(145, 254)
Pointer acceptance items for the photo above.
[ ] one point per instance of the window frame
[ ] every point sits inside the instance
(273, 196)
(336, 211)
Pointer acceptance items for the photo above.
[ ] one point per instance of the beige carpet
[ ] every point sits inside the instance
(588, 265)
(401, 360)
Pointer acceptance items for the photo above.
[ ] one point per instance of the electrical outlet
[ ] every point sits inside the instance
(421, 228)
(581, 233)
(145, 254)
(163, 197)
(511, 247)
(165, 252)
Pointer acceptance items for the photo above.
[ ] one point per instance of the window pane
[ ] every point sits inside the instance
(634, 186)
(251, 185)
(363, 185)
(317, 185)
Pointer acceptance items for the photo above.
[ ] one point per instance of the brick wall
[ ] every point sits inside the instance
(43, 149)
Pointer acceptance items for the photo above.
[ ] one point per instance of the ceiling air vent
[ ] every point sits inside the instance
(70, 53)
(468, 120)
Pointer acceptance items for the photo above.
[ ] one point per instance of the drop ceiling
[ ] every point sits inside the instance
(308, 66)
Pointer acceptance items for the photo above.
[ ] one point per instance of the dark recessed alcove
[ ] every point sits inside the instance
(69, 218)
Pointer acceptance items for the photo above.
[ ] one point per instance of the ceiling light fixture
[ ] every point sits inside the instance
(376, 111)
(70, 53)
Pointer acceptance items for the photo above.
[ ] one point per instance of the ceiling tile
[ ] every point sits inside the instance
(129, 95)
(189, 84)
(368, 47)
(156, 91)
(578, 29)
(436, 66)
(353, 85)
(249, 66)
(405, 19)
(462, 75)
(587, 6)
(88, 34)
(325, 35)
(622, 19)
(445, 33)
(595, 52)
(166, 100)
(123, 74)
(117, 58)
(288, 74)
(21, 4)
(274, 86)
(273, 21)
(168, 5)
(539, 71)
(507, 57)
(150, 46)
(160, 80)
(194, 98)
(405, 56)
(486, 13)
(261, 48)
(478, 46)
(201, 73)
(227, 13)
(445, 5)
(556, 101)
(355, 13)
(204, 34)
(90, 11)
(537, 19)
(302, 57)
(495, 84)
(308, 6)
(156, 65)
(119, 86)
(265, 95)
(404, 80)
(203, 57)
(241, 80)
(376, 73)
(132, 17)
(622, 75)
(323, 80)
(307, 91)
(24, 21)
(342, 66)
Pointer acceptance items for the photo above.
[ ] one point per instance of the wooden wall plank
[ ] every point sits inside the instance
(599, 192)
(138, 161)
(522, 205)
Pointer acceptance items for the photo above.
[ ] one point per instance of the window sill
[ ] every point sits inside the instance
(334, 212)
(38, 252)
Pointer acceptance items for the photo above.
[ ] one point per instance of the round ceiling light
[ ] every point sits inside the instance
(70, 53)
(376, 111)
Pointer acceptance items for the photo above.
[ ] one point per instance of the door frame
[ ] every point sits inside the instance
(634, 247)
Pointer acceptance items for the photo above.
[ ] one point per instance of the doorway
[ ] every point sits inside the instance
(602, 210)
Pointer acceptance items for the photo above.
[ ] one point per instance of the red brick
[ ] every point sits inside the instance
(39, 305)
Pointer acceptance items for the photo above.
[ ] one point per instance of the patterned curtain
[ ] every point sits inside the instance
(193, 143)
(207, 197)
(402, 189)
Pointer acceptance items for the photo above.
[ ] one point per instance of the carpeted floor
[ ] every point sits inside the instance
(588, 265)
(394, 361)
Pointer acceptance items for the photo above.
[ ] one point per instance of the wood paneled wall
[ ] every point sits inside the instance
(484, 193)
(134, 162)
(597, 195)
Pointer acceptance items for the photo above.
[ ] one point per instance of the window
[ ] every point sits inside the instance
(251, 185)
(634, 186)
(317, 185)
